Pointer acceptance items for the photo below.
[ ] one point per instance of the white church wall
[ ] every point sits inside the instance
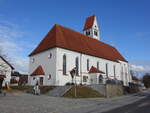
(126, 73)
(71, 55)
(48, 64)
(54, 66)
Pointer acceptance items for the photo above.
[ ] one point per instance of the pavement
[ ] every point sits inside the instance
(19, 102)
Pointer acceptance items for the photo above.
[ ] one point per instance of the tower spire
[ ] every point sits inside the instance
(91, 27)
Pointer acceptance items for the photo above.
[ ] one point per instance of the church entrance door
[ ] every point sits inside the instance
(41, 81)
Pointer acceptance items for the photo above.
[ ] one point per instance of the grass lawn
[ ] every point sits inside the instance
(44, 89)
(21, 88)
(82, 92)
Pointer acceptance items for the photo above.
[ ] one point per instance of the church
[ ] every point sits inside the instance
(63, 50)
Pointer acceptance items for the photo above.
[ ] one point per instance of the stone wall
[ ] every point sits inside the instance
(114, 90)
(101, 88)
(109, 90)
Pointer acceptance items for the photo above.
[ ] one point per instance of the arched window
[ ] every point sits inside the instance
(100, 79)
(64, 64)
(77, 65)
(122, 73)
(114, 71)
(88, 64)
(107, 70)
(97, 65)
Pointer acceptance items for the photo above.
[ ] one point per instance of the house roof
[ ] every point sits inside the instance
(89, 22)
(7, 62)
(15, 73)
(95, 70)
(38, 71)
(2, 76)
(135, 78)
(66, 38)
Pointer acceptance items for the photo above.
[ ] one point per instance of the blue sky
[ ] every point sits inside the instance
(124, 24)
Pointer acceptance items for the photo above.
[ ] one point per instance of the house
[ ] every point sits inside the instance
(64, 49)
(5, 70)
(18, 78)
(136, 80)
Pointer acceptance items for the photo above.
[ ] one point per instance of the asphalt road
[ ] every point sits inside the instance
(142, 106)
(136, 103)
(19, 102)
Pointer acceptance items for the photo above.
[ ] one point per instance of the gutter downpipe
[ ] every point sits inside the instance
(81, 66)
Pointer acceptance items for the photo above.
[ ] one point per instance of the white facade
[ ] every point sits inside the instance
(48, 64)
(54, 66)
(5, 69)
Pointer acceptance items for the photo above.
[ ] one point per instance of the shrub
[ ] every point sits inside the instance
(68, 83)
(146, 80)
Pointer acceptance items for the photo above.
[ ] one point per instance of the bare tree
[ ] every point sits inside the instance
(3, 69)
(2, 54)
(3, 66)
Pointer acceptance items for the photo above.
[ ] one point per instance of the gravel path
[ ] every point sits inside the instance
(19, 102)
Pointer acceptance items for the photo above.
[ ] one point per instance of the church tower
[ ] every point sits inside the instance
(91, 28)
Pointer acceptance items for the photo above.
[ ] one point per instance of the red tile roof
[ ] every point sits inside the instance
(2, 76)
(38, 71)
(62, 37)
(95, 70)
(89, 22)
(135, 78)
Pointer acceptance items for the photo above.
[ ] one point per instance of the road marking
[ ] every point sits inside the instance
(143, 104)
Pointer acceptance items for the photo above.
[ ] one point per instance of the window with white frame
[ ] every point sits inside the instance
(85, 78)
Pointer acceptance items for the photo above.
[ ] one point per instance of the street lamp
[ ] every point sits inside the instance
(73, 74)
